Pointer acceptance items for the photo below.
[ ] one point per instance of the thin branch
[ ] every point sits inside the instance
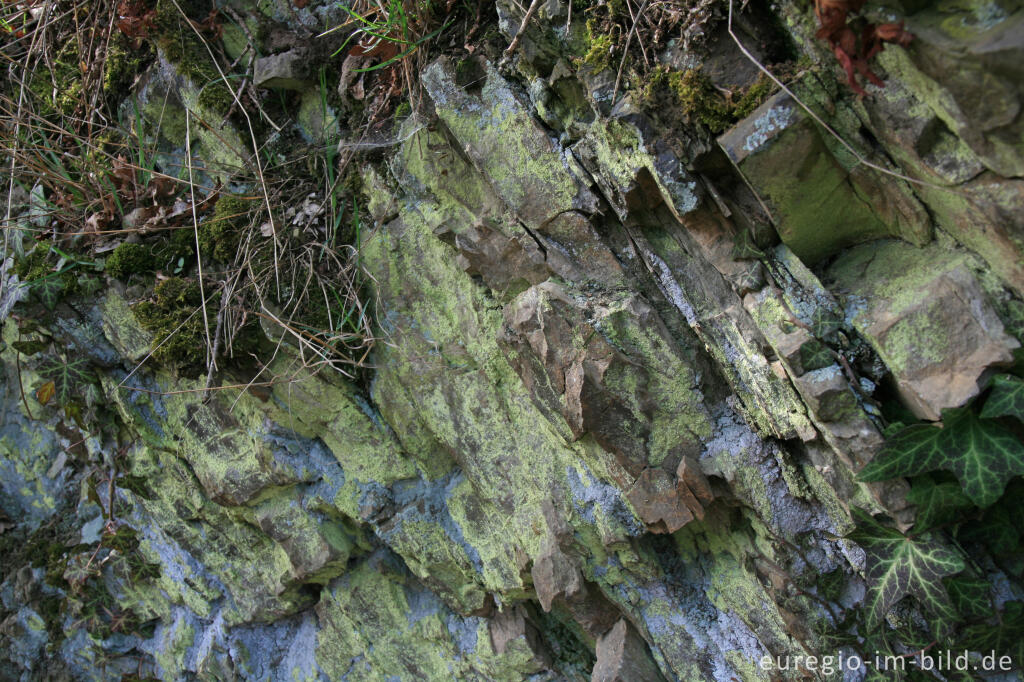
(522, 27)
(625, 50)
(211, 359)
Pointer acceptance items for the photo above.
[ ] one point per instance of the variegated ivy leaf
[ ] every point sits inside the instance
(824, 323)
(1006, 399)
(898, 565)
(982, 454)
(1006, 638)
(48, 290)
(815, 355)
(937, 501)
(70, 376)
(970, 596)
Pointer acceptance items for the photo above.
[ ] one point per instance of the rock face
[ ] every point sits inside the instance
(611, 431)
(925, 313)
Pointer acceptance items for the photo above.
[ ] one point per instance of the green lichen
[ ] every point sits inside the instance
(129, 259)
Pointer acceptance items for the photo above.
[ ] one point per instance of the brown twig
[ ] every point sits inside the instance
(522, 27)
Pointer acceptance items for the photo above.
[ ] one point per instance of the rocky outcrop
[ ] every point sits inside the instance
(626, 378)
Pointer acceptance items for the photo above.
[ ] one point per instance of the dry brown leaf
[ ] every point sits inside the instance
(45, 393)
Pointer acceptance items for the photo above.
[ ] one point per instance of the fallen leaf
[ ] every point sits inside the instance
(45, 393)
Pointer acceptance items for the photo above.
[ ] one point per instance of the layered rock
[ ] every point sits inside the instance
(603, 435)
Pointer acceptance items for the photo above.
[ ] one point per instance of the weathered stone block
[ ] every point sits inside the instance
(925, 313)
(622, 656)
(820, 206)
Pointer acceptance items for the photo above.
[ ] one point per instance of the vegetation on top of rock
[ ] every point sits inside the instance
(220, 234)
(898, 566)
(701, 100)
(129, 259)
(983, 449)
(982, 453)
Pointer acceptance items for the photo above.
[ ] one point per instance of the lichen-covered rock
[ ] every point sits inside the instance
(820, 208)
(610, 428)
(927, 316)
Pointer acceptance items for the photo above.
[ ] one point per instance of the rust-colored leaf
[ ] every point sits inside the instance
(45, 393)
(851, 53)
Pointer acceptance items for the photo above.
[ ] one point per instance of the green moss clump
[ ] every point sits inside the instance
(753, 97)
(129, 259)
(402, 111)
(599, 47)
(38, 269)
(189, 56)
(180, 339)
(174, 316)
(123, 63)
(35, 265)
(59, 89)
(701, 101)
(220, 236)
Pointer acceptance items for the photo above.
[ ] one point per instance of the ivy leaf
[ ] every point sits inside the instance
(897, 566)
(831, 584)
(824, 323)
(996, 530)
(938, 502)
(745, 248)
(1006, 399)
(911, 451)
(1005, 639)
(68, 376)
(982, 454)
(48, 290)
(30, 348)
(815, 355)
(970, 596)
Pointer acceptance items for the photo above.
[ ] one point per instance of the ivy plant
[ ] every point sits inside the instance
(899, 565)
(983, 454)
(966, 485)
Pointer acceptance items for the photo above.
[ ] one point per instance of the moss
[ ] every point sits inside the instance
(129, 259)
(174, 316)
(599, 47)
(189, 56)
(402, 111)
(59, 88)
(180, 340)
(701, 101)
(39, 270)
(753, 97)
(220, 236)
(123, 63)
